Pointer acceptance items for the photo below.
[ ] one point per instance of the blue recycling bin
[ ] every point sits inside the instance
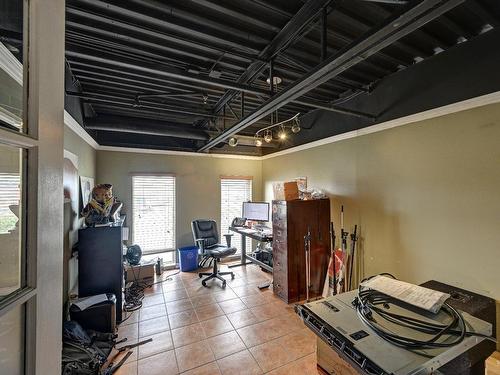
(188, 258)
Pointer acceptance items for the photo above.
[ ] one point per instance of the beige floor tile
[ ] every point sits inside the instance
(151, 312)
(193, 355)
(175, 295)
(161, 343)
(254, 335)
(199, 289)
(226, 344)
(153, 289)
(203, 299)
(127, 369)
(180, 305)
(258, 299)
(242, 318)
(154, 299)
(129, 331)
(283, 325)
(241, 363)
(232, 305)
(271, 355)
(268, 311)
(172, 285)
(303, 366)
(188, 335)
(216, 326)
(299, 343)
(159, 364)
(130, 318)
(182, 319)
(153, 326)
(208, 369)
(225, 295)
(245, 290)
(208, 312)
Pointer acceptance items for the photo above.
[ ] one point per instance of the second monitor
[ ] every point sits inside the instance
(256, 211)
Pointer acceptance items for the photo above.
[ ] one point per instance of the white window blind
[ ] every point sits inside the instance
(234, 192)
(10, 194)
(153, 210)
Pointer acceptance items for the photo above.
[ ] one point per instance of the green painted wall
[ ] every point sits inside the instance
(197, 182)
(426, 196)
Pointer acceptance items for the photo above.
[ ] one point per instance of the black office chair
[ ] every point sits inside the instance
(206, 236)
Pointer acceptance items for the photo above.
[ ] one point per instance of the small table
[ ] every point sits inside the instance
(255, 235)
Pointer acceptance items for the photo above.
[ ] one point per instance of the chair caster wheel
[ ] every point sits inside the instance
(200, 275)
(203, 283)
(223, 284)
(232, 276)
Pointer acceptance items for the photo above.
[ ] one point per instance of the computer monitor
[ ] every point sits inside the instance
(256, 211)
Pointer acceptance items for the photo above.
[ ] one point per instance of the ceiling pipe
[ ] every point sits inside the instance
(397, 27)
(140, 126)
(198, 79)
(115, 99)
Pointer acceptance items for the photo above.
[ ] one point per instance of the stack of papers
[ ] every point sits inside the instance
(427, 299)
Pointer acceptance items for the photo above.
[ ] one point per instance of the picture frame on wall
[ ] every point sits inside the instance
(86, 186)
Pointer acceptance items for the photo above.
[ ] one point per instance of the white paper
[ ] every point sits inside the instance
(125, 232)
(415, 295)
(84, 303)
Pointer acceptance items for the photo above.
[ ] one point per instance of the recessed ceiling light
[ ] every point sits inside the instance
(276, 80)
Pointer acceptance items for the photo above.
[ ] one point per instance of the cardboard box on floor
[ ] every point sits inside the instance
(492, 364)
(145, 270)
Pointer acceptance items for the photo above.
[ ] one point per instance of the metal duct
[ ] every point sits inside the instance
(140, 126)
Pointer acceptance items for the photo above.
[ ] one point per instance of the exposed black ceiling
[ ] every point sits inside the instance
(175, 70)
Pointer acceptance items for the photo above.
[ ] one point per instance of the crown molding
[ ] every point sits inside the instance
(406, 120)
(176, 153)
(76, 127)
(464, 105)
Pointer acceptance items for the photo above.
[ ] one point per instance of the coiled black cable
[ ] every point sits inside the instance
(368, 303)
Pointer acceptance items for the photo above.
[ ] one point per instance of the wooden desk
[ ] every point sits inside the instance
(255, 235)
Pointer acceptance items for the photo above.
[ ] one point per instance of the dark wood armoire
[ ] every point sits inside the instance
(291, 222)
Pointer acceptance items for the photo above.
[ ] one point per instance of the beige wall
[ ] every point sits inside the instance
(426, 196)
(87, 155)
(197, 182)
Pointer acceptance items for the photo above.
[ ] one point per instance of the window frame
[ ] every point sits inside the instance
(144, 174)
(235, 177)
(27, 140)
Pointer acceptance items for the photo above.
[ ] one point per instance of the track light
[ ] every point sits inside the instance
(258, 141)
(268, 136)
(282, 134)
(233, 141)
(296, 126)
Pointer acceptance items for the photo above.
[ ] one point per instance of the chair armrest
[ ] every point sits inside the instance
(201, 243)
(228, 239)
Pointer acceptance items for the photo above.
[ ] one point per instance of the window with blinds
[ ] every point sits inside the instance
(234, 191)
(153, 211)
(10, 195)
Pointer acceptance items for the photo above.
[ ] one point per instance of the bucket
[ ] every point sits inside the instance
(188, 258)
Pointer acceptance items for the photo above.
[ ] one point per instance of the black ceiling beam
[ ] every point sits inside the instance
(124, 124)
(397, 27)
(115, 99)
(86, 27)
(286, 35)
(195, 78)
(154, 20)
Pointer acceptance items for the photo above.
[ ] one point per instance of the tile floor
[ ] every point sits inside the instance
(236, 330)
